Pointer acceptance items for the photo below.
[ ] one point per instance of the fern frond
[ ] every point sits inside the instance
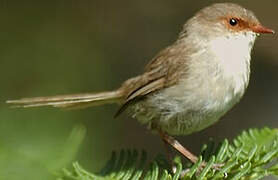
(251, 155)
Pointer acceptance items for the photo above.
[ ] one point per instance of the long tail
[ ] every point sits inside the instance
(70, 101)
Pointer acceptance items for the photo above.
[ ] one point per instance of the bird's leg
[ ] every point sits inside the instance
(176, 145)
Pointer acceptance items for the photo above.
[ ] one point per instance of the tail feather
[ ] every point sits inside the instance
(70, 101)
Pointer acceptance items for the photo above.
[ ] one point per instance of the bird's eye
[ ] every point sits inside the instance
(233, 21)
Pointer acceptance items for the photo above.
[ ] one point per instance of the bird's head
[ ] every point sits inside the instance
(224, 19)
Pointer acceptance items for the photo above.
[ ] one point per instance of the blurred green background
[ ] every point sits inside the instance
(70, 46)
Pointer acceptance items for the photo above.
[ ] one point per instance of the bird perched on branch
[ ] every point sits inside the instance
(190, 84)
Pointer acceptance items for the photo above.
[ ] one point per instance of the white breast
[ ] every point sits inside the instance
(214, 84)
(233, 55)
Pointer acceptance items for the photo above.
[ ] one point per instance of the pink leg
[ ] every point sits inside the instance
(176, 145)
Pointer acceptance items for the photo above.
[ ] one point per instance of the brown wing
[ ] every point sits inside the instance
(163, 71)
(141, 92)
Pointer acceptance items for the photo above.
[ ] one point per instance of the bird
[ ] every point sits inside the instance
(187, 86)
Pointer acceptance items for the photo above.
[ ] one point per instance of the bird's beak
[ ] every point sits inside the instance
(262, 30)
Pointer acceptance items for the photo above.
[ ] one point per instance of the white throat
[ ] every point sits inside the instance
(233, 56)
